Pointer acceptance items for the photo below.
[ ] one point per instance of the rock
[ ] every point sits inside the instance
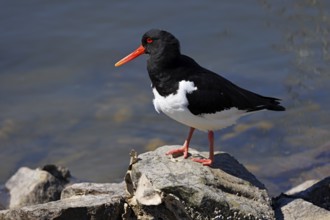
(318, 194)
(293, 208)
(162, 187)
(301, 187)
(4, 197)
(81, 189)
(78, 201)
(86, 207)
(309, 200)
(28, 187)
(62, 174)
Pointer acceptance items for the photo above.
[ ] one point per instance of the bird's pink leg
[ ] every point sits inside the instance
(209, 161)
(184, 149)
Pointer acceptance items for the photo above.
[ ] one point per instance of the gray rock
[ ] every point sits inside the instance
(162, 187)
(293, 209)
(301, 187)
(318, 194)
(28, 187)
(75, 208)
(78, 201)
(62, 174)
(82, 189)
(4, 197)
(309, 200)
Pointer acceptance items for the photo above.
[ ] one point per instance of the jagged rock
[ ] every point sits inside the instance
(301, 187)
(295, 208)
(100, 206)
(162, 187)
(318, 194)
(78, 201)
(307, 201)
(62, 174)
(28, 187)
(82, 189)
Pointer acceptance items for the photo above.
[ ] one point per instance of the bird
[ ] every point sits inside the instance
(192, 94)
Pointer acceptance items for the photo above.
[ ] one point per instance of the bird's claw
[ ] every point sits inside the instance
(179, 151)
(205, 162)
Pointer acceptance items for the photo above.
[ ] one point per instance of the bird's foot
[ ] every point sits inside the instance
(205, 162)
(183, 150)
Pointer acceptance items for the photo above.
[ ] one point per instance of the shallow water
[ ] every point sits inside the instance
(62, 100)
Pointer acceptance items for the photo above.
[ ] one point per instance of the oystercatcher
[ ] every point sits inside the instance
(191, 94)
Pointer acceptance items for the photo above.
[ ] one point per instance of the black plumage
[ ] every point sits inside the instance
(167, 67)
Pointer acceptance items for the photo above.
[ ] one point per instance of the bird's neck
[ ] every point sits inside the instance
(163, 73)
(163, 58)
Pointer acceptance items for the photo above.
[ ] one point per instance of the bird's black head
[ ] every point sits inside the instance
(161, 45)
(160, 42)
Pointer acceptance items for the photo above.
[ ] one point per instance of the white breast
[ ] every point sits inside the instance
(175, 106)
(174, 102)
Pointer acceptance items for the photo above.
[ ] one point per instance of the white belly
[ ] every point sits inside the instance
(175, 106)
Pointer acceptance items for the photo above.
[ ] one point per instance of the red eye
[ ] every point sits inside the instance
(149, 40)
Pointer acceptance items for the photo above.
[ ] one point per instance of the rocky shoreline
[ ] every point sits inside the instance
(160, 187)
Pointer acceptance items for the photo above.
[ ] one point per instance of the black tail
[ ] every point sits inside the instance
(263, 102)
(274, 104)
(250, 101)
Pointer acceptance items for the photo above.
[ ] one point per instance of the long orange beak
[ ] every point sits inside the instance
(140, 50)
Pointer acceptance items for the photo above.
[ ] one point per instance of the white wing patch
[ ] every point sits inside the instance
(174, 102)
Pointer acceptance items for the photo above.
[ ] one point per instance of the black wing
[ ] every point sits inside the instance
(215, 93)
